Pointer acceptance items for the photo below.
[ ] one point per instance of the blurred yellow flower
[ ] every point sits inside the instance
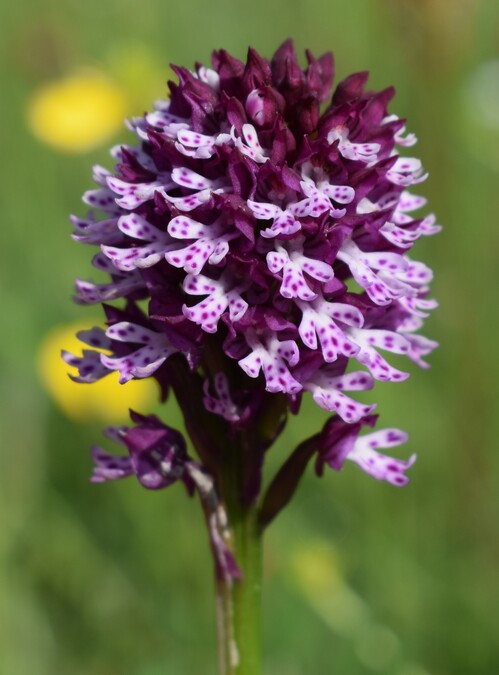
(106, 399)
(77, 113)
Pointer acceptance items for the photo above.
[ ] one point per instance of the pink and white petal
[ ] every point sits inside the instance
(417, 306)
(357, 380)
(100, 175)
(128, 259)
(263, 211)
(183, 227)
(252, 364)
(220, 251)
(91, 231)
(387, 340)
(192, 258)
(137, 227)
(207, 312)
(316, 268)
(90, 293)
(347, 314)
(223, 404)
(288, 350)
(343, 194)
(278, 378)
(276, 261)
(382, 467)
(101, 198)
(384, 438)
(385, 261)
(378, 465)
(190, 179)
(253, 149)
(300, 209)
(200, 285)
(428, 225)
(416, 273)
(124, 331)
(409, 202)
(294, 284)
(337, 213)
(398, 236)
(237, 306)
(333, 340)
(193, 139)
(333, 400)
(307, 330)
(379, 368)
(140, 363)
(284, 223)
(190, 202)
(420, 346)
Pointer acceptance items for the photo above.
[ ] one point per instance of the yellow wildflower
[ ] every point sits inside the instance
(77, 113)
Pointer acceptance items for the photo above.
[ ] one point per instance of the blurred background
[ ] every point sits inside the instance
(361, 578)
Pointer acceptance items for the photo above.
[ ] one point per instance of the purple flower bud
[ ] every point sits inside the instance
(262, 106)
(156, 455)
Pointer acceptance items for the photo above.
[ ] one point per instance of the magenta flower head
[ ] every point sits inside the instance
(256, 237)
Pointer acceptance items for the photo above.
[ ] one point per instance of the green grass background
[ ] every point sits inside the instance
(113, 580)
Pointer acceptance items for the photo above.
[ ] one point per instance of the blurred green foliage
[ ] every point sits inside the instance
(360, 577)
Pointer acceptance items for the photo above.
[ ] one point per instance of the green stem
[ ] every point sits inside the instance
(239, 600)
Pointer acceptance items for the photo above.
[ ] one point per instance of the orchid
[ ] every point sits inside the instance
(269, 239)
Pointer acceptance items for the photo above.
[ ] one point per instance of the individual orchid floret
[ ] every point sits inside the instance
(326, 390)
(271, 355)
(419, 346)
(248, 143)
(196, 145)
(161, 119)
(157, 455)
(340, 442)
(208, 312)
(135, 257)
(90, 230)
(390, 341)
(406, 171)
(132, 195)
(284, 220)
(89, 364)
(154, 350)
(384, 275)
(320, 323)
(211, 245)
(360, 152)
(289, 262)
(122, 284)
(400, 139)
(320, 194)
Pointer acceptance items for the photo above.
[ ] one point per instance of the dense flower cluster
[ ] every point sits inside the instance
(270, 239)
